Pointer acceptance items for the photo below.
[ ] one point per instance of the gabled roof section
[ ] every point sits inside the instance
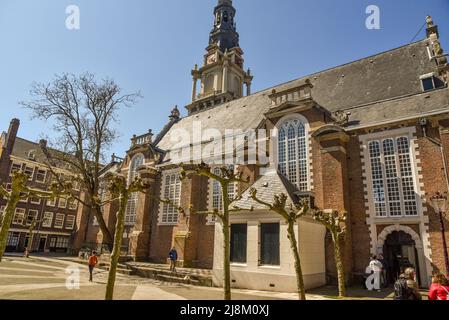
(268, 186)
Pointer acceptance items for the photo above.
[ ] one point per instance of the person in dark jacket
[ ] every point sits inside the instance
(173, 256)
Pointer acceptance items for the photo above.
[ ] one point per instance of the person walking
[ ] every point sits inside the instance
(406, 287)
(93, 261)
(376, 267)
(439, 290)
(384, 275)
(173, 256)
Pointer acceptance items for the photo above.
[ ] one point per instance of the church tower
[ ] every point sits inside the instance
(222, 75)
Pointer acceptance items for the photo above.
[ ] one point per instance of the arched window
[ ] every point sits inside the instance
(130, 216)
(292, 153)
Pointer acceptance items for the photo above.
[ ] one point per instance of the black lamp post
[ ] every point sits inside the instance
(439, 203)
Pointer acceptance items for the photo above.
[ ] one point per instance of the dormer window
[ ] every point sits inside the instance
(32, 155)
(430, 82)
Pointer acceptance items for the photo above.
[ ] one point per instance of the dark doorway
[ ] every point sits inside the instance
(400, 253)
(42, 242)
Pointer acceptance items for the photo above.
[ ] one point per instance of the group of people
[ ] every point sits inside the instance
(406, 287)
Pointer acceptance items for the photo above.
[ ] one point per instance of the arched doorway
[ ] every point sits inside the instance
(400, 242)
(400, 253)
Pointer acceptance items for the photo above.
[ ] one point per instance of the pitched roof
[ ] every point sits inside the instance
(382, 77)
(267, 186)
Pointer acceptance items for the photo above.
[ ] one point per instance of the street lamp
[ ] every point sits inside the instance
(439, 202)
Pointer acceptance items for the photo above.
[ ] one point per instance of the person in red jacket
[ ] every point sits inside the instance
(439, 290)
(93, 261)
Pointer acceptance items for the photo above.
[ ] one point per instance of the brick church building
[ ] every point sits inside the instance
(370, 137)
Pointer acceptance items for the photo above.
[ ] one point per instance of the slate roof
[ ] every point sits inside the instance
(267, 186)
(370, 84)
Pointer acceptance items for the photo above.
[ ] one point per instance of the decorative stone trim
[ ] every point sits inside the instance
(388, 230)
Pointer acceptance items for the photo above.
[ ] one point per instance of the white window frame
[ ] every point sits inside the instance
(407, 132)
(51, 203)
(276, 146)
(32, 173)
(11, 171)
(28, 214)
(72, 219)
(45, 175)
(19, 212)
(61, 217)
(63, 201)
(48, 216)
(211, 219)
(163, 206)
(72, 204)
(35, 202)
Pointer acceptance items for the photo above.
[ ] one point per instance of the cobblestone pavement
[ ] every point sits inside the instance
(45, 278)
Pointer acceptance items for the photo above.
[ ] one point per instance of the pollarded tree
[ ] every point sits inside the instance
(290, 213)
(83, 111)
(227, 177)
(120, 190)
(31, 229)
(335, 222)
(20, 191)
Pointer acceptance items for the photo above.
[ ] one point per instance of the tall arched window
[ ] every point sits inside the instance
(130, 216)
(292, 153)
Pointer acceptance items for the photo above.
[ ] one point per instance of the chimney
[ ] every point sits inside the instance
(7, 149)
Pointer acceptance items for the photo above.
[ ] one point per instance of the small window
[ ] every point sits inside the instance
(59, 221)
(73, 204)
(428, 83)
(41, 175)
(238, 243)
(48, 219)
(15, 167)
(29, 171)
(35, 200)
(32, 215)
(70, 222)
(269, 244)
(19, 216)
(32, 155)
(51, 202)
(62, 203)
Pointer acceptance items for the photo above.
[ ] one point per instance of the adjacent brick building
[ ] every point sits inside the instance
(56, 220)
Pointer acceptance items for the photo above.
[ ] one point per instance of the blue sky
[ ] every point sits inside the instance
(151, 46)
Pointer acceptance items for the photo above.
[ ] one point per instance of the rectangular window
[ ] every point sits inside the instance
(428, 83)
(62, 203)
(51, 202)
(131, 209)
(59, 221)
(15, 167)
(19, 216)
(269, 244)
(48, 219)
(13, 239)
(393, 185)
(35, 200)
(238, 243)
(216, 197)
(31, 216)
(70, 222)
(60, 243)
(29, 171)
(73, 204)
(172, 192)
(41, 175)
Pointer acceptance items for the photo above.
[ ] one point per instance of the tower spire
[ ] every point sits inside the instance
(224, 32)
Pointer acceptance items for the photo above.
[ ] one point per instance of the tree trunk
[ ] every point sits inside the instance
(31, 238)
(339, 265)
(298, 269)
(119, 228)
(107, 236)
(226, 260)
(226, 244)
(7, 219)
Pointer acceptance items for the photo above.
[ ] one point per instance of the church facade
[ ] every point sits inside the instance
(370, 138)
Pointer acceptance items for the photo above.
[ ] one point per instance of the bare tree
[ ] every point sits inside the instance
(20, 191)
(335, 222)
(291, 213)
(227, 177)
(83, 111)
(121, 190)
